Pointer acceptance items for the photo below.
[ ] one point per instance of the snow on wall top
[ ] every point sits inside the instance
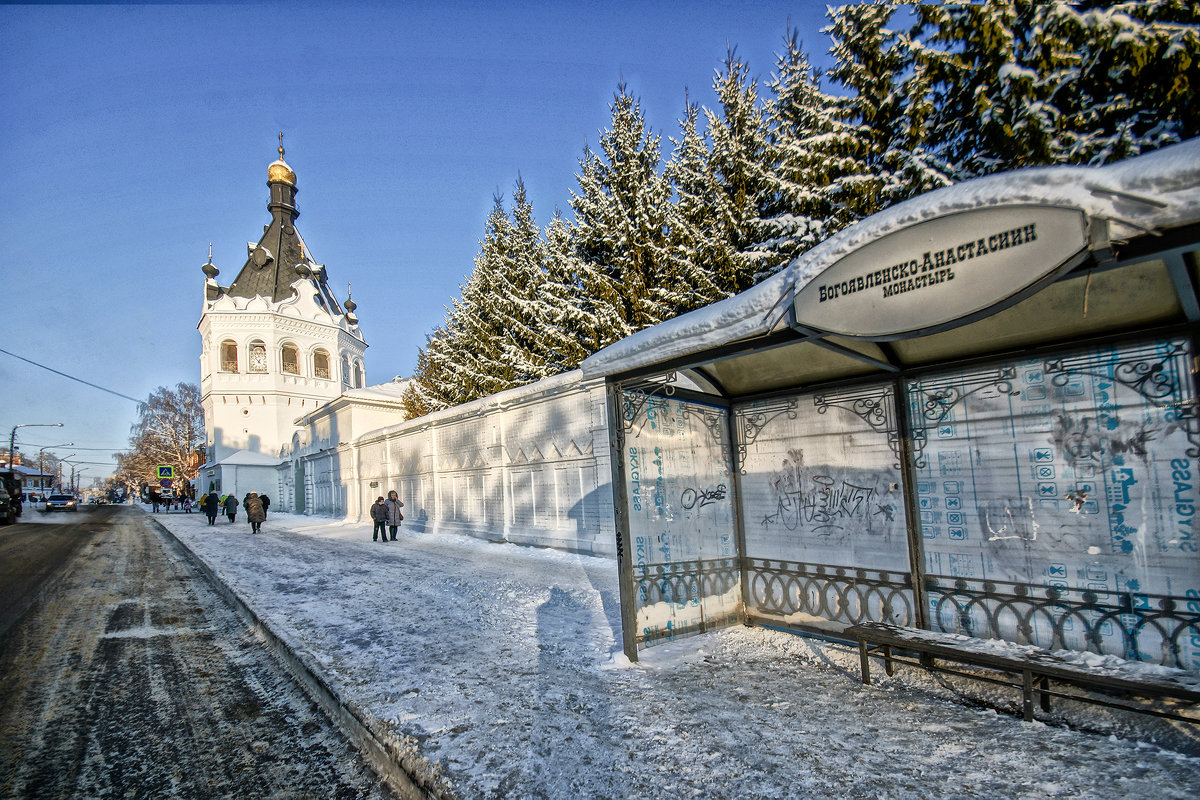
(392, 391)
(1137, 196)
(564, 381)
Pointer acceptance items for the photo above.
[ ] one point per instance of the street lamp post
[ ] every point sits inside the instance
(60, 463)
(12, 439)
(41, 469)
(71, 483)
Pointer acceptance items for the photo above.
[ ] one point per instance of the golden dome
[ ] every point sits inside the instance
(280, 172)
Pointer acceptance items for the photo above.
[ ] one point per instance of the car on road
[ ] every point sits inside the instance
(61, 502)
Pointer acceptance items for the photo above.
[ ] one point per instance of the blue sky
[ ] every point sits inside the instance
(132, 136)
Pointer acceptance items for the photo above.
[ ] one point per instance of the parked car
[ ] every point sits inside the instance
(61, 502)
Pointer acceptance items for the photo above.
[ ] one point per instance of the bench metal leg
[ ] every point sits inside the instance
(1043, 683)
(864, 662)
(1027, 691)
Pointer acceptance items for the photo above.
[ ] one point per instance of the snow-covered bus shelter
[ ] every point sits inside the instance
(974, 412)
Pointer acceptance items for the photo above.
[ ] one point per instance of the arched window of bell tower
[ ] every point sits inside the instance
(291, 358)
(229, 356)
(258, 356)
(321, 363)
(358, 376)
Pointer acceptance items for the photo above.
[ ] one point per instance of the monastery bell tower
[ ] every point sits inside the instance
(276, 345)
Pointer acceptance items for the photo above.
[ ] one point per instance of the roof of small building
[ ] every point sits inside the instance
(393, 390)
(246, 458)
(27, 472)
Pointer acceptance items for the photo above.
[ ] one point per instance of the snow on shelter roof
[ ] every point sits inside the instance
(1135, 197)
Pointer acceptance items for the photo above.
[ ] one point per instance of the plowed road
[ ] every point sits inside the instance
(129, 677)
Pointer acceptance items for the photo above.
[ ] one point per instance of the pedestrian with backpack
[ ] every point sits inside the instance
(231, 507)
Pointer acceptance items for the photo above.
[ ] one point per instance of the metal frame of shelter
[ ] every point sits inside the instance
(725, 516)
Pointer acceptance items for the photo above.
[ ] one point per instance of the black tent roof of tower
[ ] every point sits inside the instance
(280, 257)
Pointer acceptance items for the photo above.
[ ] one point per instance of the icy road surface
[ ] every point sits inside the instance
(502, 665)
(132, 678)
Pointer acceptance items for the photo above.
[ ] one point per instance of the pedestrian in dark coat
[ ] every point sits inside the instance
(379, 516)
(231, 506)
(394, 517)
(254, 510)
(266, 501)
(211, 505)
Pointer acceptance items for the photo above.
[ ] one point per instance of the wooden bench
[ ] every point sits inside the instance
(1037, 669)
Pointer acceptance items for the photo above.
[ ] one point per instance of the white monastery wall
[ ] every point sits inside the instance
(529, 466)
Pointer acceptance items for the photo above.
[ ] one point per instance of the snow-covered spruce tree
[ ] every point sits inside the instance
(989, 111)
(702, 259)
(492, 317)
(426, 391)
(621, 227)
(447, 373)
(568, 327)
(803, 127)
(738, 162)
(503, 330)
(881, 148)
(1138, 72)
(521, 310)
(1016, 83)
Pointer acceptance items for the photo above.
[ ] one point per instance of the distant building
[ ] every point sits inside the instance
(32, 481)
(276, 345)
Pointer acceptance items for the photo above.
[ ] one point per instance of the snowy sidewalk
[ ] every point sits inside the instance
(503, 664)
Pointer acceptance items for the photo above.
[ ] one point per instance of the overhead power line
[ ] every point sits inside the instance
(72, 377)
(77, 447)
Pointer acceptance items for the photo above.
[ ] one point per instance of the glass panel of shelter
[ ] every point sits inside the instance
(1058, 500)
(824, 514)
(1053, 502)
(685, 578)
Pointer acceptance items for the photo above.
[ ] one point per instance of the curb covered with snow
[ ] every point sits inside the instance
(393, 758)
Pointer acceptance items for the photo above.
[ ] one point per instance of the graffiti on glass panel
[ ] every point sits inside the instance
(825, 504)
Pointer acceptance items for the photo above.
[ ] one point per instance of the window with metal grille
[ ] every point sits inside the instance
(321, 364)
(291, 359)
(229, 357)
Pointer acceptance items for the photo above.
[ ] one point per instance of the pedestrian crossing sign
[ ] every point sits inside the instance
(166, 472)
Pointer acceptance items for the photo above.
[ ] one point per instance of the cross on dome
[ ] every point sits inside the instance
(279, 171)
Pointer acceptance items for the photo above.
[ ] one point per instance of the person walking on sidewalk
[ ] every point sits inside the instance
(254, 511)
(379, 516)
(211, 505)
(394, 516)
(266, 501)
(231, 506)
